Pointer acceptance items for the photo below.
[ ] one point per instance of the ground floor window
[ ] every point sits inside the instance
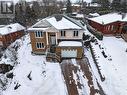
(39, 45)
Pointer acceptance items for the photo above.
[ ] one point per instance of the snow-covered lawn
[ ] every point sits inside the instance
(44, 78)
(114, 66)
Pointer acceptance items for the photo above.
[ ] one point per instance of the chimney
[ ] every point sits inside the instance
(123, 15)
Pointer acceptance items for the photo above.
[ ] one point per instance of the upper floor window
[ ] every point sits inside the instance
(63, 33)
(38, 34)
(75, 33)
(39, 45)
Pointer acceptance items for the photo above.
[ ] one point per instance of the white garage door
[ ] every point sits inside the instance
(68, 53)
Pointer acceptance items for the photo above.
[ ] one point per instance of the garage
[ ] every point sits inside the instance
(66, 53)
(70, 49)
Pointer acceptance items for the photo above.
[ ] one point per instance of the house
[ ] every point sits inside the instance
(76, 7)
(93, 15)
(112, 23)
(9, 33)
(57, 34)
(77, 16)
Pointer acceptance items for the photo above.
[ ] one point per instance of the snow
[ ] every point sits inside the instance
(108, 18)
(70, 43)
(11, 28)
(36, 29)
(62, 24)
(79, 16)
(114, 66)
(94, 14)
(46, 77)
(77, 5)
(94, 5)
(88, 1)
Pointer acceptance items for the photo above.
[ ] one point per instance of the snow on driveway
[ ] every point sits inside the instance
(46, 78)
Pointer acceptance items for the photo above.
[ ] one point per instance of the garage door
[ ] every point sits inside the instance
(68, 53)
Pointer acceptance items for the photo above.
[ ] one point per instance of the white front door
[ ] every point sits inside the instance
(53, 40)
(68, 53)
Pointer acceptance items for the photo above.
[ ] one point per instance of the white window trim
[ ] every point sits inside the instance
(112, 28)
(39, 37)
(39, 48)
(75, 32)
(62, 32)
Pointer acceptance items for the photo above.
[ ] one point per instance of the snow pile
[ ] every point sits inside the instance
(33, 75)
(112, 58)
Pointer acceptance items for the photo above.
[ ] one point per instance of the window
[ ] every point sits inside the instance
(63, 33)
(109, 27)
(38, 34)
(75, 33)
(112, 28)
(39, 45)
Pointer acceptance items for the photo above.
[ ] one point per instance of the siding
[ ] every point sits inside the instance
(9, 38)
(34, 40)
(69, 35)
(108, 28)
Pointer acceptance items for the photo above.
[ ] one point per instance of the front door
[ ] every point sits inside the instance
(52, 40)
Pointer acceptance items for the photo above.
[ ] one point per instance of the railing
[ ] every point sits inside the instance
(124, 36)
(53, 56)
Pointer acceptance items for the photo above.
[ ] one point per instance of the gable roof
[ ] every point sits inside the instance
(64, 23)
(7, 29)
(109, 18)
(59, 22)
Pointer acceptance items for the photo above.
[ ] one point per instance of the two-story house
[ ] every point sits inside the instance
(57, 34)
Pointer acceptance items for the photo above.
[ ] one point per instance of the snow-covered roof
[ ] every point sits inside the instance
(93, 4)
(88, 1)
(36, 29)
(58, 22)
(79, 16)
(109, 18)
(70, 43)
(11, 28)
(76, 5)
(63, 23)
(94, 14)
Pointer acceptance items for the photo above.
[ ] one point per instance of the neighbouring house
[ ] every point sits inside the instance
(77, 16)
(9, 33)
(57, 34)
(91, 15)
(76, 7)
(112, 23)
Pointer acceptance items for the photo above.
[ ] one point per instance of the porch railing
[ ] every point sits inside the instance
(53, 56)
